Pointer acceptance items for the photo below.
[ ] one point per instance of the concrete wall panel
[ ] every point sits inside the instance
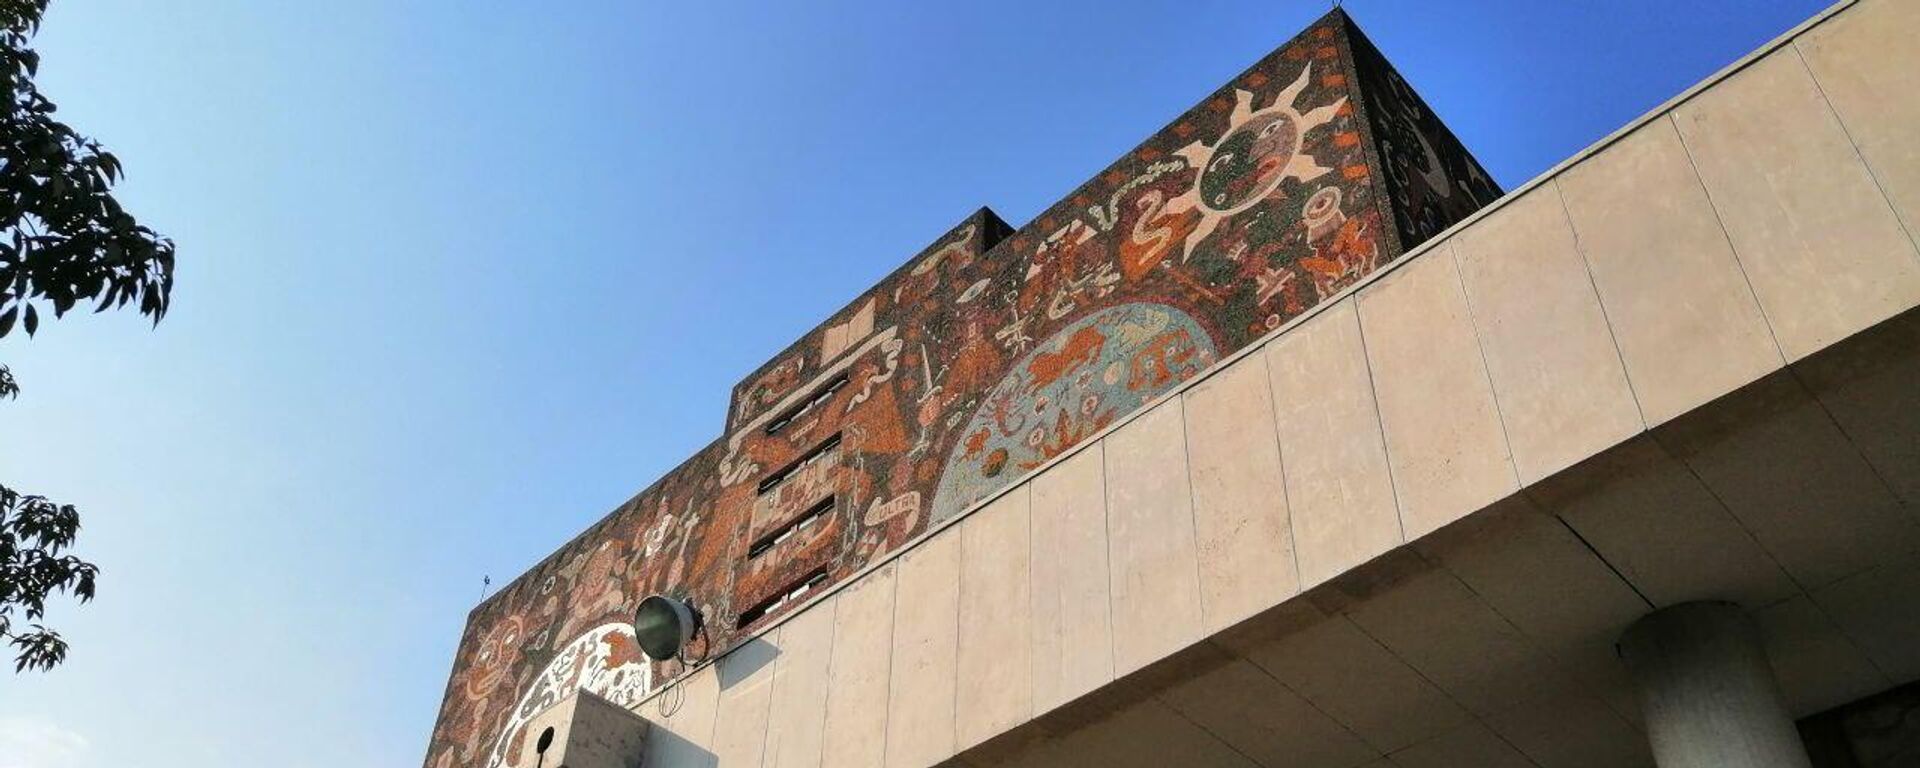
(1562, 390)
(746, 696)
(1340, 492)
(995, 682)
(1443, 433)
(1824, 252)
(1534, 571)
(1239, 496)
(1243, 706)
(797, 721)
(681, 732)
(1147, 734)
(1686, 322)
(1470, 744)
(1817, 665)
(1572, 731)
(1792, 479)
(1072, 619)
(1359, 683)
(1156, 584)
(1871, 385)
(926, 633)
(1655, 522)
(1439, 627)
(1869, 69)
(1879, 610)
(859, 674)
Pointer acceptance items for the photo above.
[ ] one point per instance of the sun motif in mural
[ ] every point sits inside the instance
(1259, 150)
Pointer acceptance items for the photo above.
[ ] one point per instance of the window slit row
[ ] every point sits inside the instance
(773, 538)
(800, 588)
(774, 480)
(820, 396)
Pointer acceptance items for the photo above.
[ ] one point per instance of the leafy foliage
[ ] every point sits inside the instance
(63, 240)
(34, 535)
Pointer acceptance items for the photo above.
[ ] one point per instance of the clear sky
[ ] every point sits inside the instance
(457, 278)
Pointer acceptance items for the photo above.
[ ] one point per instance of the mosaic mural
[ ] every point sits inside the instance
(1431, 179)
(985, 355)
(1102, 367)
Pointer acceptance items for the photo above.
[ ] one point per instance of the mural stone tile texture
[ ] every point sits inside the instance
(986, 355)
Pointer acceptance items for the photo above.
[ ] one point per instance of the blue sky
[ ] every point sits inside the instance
(457, 278)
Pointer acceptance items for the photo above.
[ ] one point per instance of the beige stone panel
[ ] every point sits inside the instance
(1360, 684)
(1793, 480)
(1562, 391)
(1871, 385)
(1239, 495)
(995, 684)
(1880, 611)
(1686, 322)
(1534, 571)
(1147, 734)
(1654, 522)
(1571, 731)
(1034, 752)
(797, 720)
(1817, 665)
(1340, 494)
(926, 633)
(1869, 69)
(1447, 633)
(858, 675)
(1824, 252)
(1444, 439)
(1242, 705)
(1470, 744)
(1072, 623)
(682, 718)
(1155, 583)
(746, 696)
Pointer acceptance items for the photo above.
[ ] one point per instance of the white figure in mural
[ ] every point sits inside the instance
(606, 661)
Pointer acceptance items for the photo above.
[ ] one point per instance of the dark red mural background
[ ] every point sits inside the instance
(985, 355)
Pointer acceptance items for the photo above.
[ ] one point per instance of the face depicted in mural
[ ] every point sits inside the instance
(494, 657)
(1249, 162)
(988, 354)
(1260, 149)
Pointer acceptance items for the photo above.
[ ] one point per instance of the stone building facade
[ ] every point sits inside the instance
(1288, 441)
(987, 354)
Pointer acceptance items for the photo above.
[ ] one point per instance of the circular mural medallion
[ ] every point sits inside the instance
(1074, 384)
(605, 660)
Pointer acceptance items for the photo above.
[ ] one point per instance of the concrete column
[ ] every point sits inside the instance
(1707, 692)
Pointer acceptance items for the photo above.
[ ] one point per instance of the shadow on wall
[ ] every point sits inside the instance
(744, 661)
